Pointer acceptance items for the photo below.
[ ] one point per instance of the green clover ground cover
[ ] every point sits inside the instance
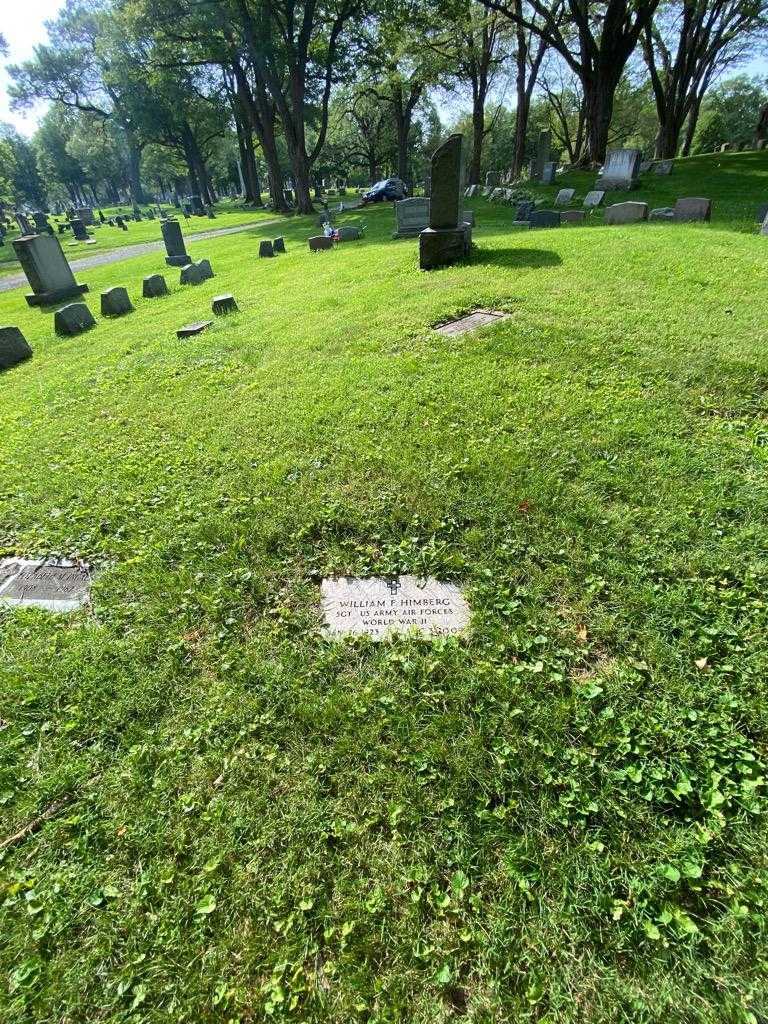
(561, 818)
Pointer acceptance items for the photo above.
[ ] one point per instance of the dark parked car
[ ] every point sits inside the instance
(385, 191)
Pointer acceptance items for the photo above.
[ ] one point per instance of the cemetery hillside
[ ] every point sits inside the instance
(384, 513)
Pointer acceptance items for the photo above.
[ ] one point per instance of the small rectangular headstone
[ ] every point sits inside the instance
(693, 208)
(378, 607)
(544, 219)
(564, 196)
(411, 216)
(626, 213)
(593, 199)
(14, 347)
(572, 217)
(55, 585)
(621, 169)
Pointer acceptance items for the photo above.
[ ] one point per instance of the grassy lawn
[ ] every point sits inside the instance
(559, 819)
(109, 239)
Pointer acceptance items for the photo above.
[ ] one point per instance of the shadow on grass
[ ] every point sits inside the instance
(515, 258)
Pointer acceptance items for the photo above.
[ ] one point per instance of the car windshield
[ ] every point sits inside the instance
(379, 184)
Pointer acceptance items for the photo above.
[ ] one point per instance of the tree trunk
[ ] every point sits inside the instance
(690, 128)
(599, 95)
(478, 134)
(521, 115)
(134, 176)
(261, 113)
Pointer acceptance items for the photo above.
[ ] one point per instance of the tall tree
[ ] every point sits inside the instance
(596, 40)
(76, 69)
(686, 46)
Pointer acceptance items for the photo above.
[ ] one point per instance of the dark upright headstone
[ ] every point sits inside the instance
(47, 270)
(78, 230)
(177, 255)
(447, 239)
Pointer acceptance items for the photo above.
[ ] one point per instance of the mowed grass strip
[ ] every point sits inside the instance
(560, 818)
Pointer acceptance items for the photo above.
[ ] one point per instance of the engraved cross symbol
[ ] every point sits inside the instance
(394, 586)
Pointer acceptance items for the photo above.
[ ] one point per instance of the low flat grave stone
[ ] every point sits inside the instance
(319, 243)
(572, 217)
(564, 196)
(348, 233)
(278, 244)
(663, 166)
(265, 248)
(379, 607)
(662, 213)
(55, 585)
(223, 304)
(626, 213)
(471, 322)
(115, 302)
(73, 319)
(544, 219)
(14, 347)
(191, 329)
(593, 198)
(153, 286)
(693, 208)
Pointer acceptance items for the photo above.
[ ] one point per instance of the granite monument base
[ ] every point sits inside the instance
(439, 247)
(49, 298)
(178, 261)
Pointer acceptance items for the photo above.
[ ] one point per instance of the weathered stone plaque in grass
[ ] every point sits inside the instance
(378, 607)
(663, 166)
(73, 319)
(471, 322)
(191, 329)
(564, 196)
(56, 585)
(153, 286)
(662, 213)
(13, 347)
(224, 304)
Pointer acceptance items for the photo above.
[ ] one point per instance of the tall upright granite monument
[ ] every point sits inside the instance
(447, 239)
(47, 270)
(177, 255)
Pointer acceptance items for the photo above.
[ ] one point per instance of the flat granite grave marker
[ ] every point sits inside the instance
(73, 319)
(176, 250)
(693, 208)
(45, 265)
(564, 196)
(622, 167)
(190, 329)
(57, 586)
(572, 217)
(13, 347)
(447, 240)
(115, 302)
(471, 322)
(379, 607)
(154, 286)
(223, 304)
(626, 213)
